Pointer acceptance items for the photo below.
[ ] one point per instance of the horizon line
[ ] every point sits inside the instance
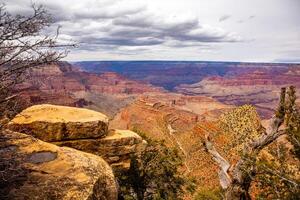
(213, 61)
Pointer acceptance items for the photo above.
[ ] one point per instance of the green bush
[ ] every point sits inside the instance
(154, 174)
(206, 194)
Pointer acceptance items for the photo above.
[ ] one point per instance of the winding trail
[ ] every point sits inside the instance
(171, 133)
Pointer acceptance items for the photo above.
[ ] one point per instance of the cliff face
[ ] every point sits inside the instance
(82, 129)
(119, 83)
(170, 74)
(232, 83)
(65, 77)
(64, 84)
(259, 87)
(32, 169)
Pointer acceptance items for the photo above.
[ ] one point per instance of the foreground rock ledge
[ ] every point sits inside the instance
(58, 123)
(115, 148)
(32, 169)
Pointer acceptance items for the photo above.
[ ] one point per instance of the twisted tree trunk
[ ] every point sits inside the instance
(237, 183)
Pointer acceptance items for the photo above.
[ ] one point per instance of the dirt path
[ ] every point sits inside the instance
(171, 133)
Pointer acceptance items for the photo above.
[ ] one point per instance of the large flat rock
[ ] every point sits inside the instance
(78, 128)
(58, 123)
(33, 169)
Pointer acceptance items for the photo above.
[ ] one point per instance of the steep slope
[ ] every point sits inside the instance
(168, 117)
(229, 127)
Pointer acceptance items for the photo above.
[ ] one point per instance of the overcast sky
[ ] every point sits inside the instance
(217, 30)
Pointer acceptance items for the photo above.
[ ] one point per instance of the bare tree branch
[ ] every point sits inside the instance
(224, 165)
(23, 45)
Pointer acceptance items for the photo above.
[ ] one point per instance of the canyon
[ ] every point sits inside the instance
(231, 83)
(63, 84)
(178, 102)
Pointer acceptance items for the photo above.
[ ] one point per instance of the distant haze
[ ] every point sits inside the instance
(219, 30)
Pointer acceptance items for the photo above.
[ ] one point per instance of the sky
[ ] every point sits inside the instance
(215, 30)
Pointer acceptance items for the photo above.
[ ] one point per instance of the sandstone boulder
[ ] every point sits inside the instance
(58, 123)
(78, 128)
(32, 169)
(115, 148)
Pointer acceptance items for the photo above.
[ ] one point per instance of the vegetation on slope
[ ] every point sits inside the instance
(276, 175)
(154, 174)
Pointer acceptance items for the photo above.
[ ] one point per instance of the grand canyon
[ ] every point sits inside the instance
(232, 84)
(149, 100)
(178, 102)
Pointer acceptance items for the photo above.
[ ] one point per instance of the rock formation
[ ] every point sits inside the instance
(63, 84)
(52, 123)
(173, 118)
(79, 128)
(259, 87)
(115, 148)
(33, 169)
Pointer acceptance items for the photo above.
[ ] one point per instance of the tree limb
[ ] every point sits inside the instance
(238, 184)
(224, 165)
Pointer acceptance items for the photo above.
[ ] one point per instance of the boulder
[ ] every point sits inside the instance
(115, 148)
(58, 123)
(78, 128)
(33, 169)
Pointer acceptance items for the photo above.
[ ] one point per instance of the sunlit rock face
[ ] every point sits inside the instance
(115, 148)
(57, 123)
(33, 169)
(81, 129)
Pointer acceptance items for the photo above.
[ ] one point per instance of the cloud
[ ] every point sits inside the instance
(224, 18)
(109, 25)
(287, 60)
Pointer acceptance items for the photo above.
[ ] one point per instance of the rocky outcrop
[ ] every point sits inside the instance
(115, 148)
(33, 169)
(57, 123)
(81, 129)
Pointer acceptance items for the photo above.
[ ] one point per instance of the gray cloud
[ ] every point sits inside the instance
(105, 24)
(224, 18)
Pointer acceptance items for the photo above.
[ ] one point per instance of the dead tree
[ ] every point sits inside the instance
(237, 181)
(24, 45)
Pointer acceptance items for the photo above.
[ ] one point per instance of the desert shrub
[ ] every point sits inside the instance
(243, 123)
(153, 174)
(277, 176)
(293, 121)
(206, 194)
